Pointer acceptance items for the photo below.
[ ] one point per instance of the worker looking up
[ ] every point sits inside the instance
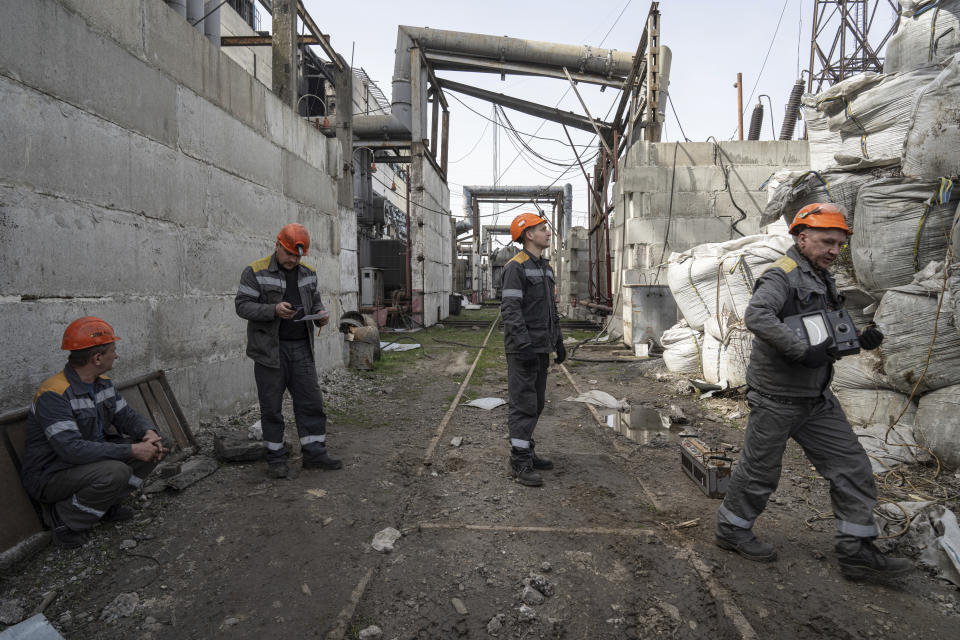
(788, 390)
(74, 464)
(274, 292)
(531, 331)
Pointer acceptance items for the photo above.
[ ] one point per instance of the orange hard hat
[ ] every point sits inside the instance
(87, 332)
(522, 222)
(295, 239)
(820, 215)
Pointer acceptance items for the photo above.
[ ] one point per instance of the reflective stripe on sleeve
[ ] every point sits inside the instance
(276, 282)
(303, 282)
(533, 273)
(512, 293)
(121, 403)
(106, 393)
(248, 291)
(135, 481)
(59, 427)
(81, 403)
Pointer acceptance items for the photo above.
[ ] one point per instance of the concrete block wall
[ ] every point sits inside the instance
(142, 169)
(574, 274)
(701, 208)
(432, 236)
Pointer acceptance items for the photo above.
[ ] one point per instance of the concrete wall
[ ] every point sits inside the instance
(257, 61)
(432, 231)
(142, 169)
(702, 209)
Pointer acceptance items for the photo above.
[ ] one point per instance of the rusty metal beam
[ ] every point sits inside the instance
(260, 41)
(322, 37)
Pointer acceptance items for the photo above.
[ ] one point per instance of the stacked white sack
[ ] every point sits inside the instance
(932, 146)
(938, 424)
(866, 393)
(797, 189)
(718, 278)
(907, 316)
(899, 225)
(917, 41)
(863, 121)
(726, 352)
(682, 350)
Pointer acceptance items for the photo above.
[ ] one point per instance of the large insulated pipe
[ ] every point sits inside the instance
(756, 121)
(211, 24)
(792, 111)
(195, 13)
(567, 207)
(180, 6)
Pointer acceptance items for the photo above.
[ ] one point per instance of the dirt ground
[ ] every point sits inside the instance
(595, 553)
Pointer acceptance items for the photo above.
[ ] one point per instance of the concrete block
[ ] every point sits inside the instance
(120, 20)
(215, 258)
(165, 184)
(233, 447)
(243, 96)
(244, 207)
(209, 133)
(87, 251)
(199, 327)
(179, 50)
(56, 52)
(307, 184)
(209, 388)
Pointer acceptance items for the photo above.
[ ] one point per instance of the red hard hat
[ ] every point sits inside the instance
(87, 332)
(295, 239)
(522, 222)
(820, 215)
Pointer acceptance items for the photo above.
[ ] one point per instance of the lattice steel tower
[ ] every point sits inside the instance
(840, 43)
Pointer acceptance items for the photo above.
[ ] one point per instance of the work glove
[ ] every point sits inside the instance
(526, 354)
(819, 355)
(870, 338)
(561, 352)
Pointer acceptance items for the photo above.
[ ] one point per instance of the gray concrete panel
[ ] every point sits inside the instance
(179, 50)
(215, 387)
(46, 53)
(119, 20)
(307, 184)
(243, 207)
(86, 250)
(197, 328)
(215, 258)
(212, 135)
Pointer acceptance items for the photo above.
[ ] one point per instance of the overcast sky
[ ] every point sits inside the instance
(711, 41)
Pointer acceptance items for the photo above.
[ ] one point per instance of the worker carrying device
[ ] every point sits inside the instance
(788, 390)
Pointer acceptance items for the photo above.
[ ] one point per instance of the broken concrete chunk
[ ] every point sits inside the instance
(255, 431)
(373, 632)
(11, 611)
(677, 416)
(485, 403)
(541, 584)
(531, 596)
(233, 447)
(383, 541)
(495, 624)
(122, 606)
(457, 441)
(193, 470)
(459, 606)
(526, 614)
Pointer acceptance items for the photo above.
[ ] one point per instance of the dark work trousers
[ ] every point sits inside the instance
(527, 387)
(821, 428)
(298, 373)
(82, 494)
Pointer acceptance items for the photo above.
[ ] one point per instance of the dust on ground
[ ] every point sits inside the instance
(618, 543)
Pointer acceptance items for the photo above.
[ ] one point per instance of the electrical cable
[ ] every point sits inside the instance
(677, 118)
(472, 149)
(666, 235)
(530, 135)
(718, 154)
(511, 129)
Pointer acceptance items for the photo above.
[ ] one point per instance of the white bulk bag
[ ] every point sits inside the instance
(916, 37)
(889, 448)
(932, 146)
(937, 424)
(899, 225)
(682, 347)
(719, 277)
(800, 188)
(906, 316)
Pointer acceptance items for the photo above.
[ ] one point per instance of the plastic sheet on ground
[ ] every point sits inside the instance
(937, 424)
(889, 447)
(398, 346)
(485, 403)
(600, 398)
(899, 226)
(933, 536)
(917, 40)
(36, 627)
(863, 121)
(715, 278)
(907, 316)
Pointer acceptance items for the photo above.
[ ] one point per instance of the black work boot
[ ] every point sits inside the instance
(277, 470)
(63, 536)
(118, 513)
(320, 460)
(743, 542)
(541, 464)
(869, 562)
(521, 467)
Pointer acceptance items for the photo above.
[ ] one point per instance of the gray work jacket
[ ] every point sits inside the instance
(789, 286)
(528, 306)
(64, 427)
(261, 289)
